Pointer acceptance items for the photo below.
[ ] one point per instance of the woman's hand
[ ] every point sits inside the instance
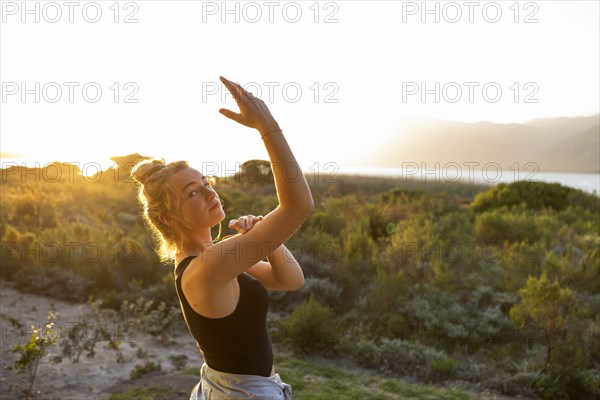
(253, 111)
(245, 223)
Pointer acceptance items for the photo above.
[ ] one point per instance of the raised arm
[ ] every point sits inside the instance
(225, 260)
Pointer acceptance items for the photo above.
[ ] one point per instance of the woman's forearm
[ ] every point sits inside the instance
(290, 183)
(293, 192)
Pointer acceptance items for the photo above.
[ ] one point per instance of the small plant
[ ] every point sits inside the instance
(444, 366)
(77, 341)
(103, 319)
(142, 353)
(156, 319)
(179, 361)
(591, 381)
(146, 368)
(34, 350)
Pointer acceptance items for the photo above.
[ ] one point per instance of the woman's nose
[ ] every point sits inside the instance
(211, 194)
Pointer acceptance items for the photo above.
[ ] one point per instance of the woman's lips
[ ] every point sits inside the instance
(215, 206)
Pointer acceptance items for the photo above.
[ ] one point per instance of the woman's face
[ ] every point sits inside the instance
(198, 204)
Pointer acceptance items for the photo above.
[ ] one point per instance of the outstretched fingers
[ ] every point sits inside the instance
(231, 115)
(236, 90)
(253, 111)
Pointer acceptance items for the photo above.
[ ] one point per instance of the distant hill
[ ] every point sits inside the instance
(579, 151)
(554, 144)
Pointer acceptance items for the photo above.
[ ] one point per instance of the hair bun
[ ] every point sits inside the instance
(144, 169)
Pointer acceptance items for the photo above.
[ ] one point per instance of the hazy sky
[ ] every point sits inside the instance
(339, 76)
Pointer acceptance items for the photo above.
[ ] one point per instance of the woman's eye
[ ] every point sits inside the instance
(193, 193)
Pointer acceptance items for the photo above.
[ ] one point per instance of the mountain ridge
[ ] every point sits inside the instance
(562, 144)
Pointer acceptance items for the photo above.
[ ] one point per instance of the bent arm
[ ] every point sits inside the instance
(225, 260)
(293, 192)
(282, 271)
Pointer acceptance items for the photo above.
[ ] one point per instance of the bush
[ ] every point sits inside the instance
(160, 321)
(535, 196)
(310, 328)
(497, 226)
(78, 340)
(146, 368)
(439, 316)
(544, 305)
(14, 251)
(404, 358)
(179, 361)
(325, 291)
(409, 245)
(590, 380)
(52, 281)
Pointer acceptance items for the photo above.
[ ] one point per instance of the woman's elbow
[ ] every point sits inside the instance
(297, 284)
(310, 206)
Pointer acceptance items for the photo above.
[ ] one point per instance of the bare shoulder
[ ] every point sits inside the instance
(207, 298)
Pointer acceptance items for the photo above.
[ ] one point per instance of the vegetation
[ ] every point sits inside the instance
(312, 380)
(146, 368)
(31, 353)
(496, 285)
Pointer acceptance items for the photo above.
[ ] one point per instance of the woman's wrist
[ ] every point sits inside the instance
(269, 127)
(265, 132)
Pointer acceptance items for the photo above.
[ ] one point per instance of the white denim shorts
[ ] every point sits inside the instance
(216, 385)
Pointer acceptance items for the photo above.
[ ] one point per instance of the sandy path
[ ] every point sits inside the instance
(91, 377)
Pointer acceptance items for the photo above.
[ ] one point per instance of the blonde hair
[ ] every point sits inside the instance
(156, 198)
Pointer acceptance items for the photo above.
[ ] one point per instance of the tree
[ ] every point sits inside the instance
(256, 171)
(121, 170)
(544, 305)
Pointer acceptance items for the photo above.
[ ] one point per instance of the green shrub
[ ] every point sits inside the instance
(412, 247)
(519, 260)
(590, 380)
(34, 350)
(497, 226)
(444, 366)
(325, 291)
(78, 340)
(367, 353)
(404, 358)
(179, 361)
(436, 316)
(534, 195)
(52, 281)
(544, 305)
(158, 320)
(146, 368)
(14, 252)
(310, 328)
(141, 352)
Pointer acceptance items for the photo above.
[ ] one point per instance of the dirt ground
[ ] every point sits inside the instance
(91, 378)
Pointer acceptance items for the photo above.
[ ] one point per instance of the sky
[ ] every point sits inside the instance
(115, 78)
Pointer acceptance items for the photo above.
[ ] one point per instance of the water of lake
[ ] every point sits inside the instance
(586, 182)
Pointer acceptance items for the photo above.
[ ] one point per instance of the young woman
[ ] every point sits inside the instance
(222, 286)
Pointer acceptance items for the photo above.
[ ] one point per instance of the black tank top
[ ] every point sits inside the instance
(238, 343)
